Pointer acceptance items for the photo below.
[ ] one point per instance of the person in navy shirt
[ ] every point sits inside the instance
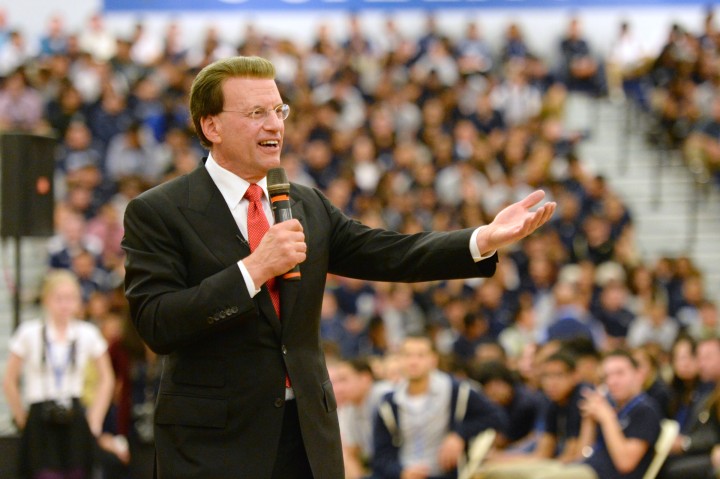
(558, 436)
(618, 431)
(626, 423)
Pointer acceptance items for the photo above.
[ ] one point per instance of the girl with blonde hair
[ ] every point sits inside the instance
(50, 355)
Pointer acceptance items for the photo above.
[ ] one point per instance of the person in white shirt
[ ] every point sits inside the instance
(50, 355)
(422, 427)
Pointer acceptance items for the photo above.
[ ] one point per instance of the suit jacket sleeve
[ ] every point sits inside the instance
(359, 251)
(168, 312)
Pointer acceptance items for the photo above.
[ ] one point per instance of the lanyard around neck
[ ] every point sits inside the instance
(58, 370)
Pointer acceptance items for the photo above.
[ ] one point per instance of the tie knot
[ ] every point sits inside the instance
(254, 193)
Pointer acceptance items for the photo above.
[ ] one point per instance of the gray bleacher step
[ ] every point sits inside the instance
(665, 213)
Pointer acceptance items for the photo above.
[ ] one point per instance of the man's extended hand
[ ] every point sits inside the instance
(515, 222)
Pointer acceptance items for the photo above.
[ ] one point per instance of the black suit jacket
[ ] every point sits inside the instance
(220, 405)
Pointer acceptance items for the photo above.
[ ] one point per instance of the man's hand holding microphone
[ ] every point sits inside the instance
(283, 247)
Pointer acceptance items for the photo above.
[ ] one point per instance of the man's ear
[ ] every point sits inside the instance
(211, 129)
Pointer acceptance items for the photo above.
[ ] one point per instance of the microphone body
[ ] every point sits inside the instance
(279, 191)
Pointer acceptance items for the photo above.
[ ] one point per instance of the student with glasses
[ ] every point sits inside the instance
(559, 428)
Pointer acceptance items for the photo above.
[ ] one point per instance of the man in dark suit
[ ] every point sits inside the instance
(244, 391)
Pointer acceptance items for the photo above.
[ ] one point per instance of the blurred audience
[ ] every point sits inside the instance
(434, 131)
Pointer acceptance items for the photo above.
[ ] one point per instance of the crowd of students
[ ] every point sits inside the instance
(436, 131)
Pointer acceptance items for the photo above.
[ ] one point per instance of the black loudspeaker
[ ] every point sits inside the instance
(28, 165)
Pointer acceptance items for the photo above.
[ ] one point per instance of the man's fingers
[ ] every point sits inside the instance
(540, 217)
(295, 225)
(533, 221)
(533, 198)
(544, 214)
(549, 212)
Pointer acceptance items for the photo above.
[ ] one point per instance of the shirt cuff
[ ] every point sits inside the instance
(474, 250)
(248, 280)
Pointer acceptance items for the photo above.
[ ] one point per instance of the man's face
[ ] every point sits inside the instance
(499, 392)
(708, 360)
(709, 316)
(557, 381)
(247, 147)
(418, 358)
(621, 378)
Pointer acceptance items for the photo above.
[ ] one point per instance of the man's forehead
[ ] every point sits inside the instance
(617, 362)
(414, 343)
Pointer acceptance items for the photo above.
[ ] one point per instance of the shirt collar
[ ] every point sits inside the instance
(232, 187)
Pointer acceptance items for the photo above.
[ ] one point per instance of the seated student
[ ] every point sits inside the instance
(424, 425)
(521, 405)
(684, 381)
(579, 70)
(587, 359)
(618, 431)
(362, 393)
(559, 437)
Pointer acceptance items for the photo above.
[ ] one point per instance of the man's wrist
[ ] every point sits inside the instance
(249, 283)
(476, 251)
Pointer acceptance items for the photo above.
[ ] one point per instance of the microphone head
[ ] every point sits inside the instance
(277, 182)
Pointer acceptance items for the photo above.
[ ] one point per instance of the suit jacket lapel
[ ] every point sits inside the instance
(211, 219)
(208, 214)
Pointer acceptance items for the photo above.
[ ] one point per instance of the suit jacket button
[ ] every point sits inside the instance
(234, 309)
(279, 402)
(222, 314)
(210, 320)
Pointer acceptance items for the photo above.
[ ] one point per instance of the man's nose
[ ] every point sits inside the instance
(272, 121)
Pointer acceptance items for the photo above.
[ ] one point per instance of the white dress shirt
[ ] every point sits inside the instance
(233, 188)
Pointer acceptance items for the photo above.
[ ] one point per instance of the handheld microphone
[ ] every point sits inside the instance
(279, 190)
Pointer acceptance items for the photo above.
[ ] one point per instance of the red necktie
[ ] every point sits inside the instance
(257, 227)
(257, 224)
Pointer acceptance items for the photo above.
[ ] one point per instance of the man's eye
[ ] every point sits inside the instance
(257, 113)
